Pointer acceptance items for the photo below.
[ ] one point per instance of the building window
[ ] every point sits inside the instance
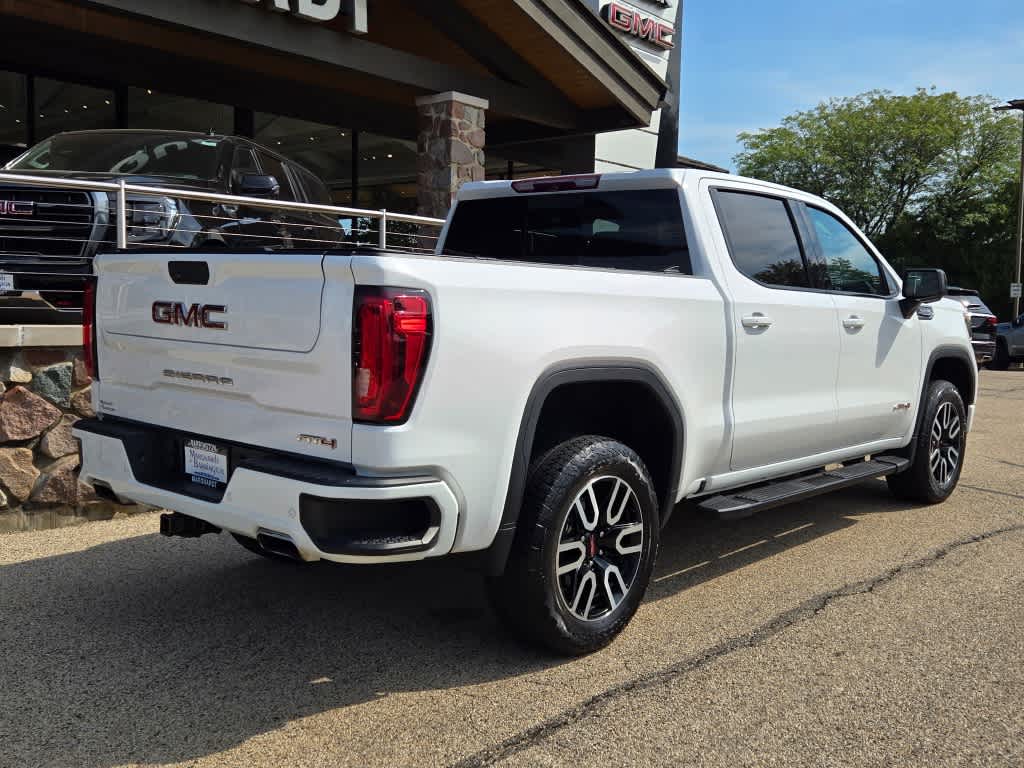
(64, 106)
(145, 108)
(323, 149)
(13, 115)
(387, 173)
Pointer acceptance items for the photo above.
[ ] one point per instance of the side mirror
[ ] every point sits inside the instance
(921, 286)
(257, 185)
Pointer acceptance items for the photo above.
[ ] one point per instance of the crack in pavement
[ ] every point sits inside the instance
(806, 610)
(991, 490)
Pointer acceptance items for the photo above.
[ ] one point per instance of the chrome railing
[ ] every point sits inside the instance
(123, 191)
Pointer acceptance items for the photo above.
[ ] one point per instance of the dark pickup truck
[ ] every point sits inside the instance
(49, 236)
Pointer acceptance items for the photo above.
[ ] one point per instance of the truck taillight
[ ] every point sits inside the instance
(390, 343)
(89, 329)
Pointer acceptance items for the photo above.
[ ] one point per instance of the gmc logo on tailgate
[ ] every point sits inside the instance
(195, 315)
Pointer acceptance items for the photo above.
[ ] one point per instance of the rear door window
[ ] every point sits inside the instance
(762, 238)
(629, 229)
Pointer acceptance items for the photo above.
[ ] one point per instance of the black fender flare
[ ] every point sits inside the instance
(945, 352)
(575, 372)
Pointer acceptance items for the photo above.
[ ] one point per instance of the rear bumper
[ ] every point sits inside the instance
(328, 514)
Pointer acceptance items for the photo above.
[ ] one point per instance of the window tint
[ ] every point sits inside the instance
(849, 266)
(127, 152)
(761, 238)
(244, 162)
(274, 167)
(314, 189)
(635, 230)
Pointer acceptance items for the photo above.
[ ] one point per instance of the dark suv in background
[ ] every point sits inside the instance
(982, 321)
(49, 236)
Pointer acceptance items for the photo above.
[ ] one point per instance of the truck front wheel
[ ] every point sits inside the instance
(585, 546)
(939, 450)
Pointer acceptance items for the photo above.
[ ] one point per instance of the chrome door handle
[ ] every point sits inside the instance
(853, 323)
(756, 321)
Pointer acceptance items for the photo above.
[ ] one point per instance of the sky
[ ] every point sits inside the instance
(749, 63)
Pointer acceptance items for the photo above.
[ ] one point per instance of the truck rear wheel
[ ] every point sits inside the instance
(585, 547)
(939, 451)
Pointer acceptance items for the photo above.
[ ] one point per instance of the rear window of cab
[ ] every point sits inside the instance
(638, 230)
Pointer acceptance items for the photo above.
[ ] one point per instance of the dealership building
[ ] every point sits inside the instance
(393, 103)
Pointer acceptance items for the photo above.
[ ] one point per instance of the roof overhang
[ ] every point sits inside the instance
(548, 67)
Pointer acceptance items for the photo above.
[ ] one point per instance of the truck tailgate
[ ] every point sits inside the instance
(234, 348)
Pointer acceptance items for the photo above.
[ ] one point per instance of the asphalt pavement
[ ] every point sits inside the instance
(853, 629)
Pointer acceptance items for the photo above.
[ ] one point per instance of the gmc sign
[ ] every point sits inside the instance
(322, 10)
(635, 22)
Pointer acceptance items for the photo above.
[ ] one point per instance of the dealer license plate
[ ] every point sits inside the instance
(6, 282)
(206, 463)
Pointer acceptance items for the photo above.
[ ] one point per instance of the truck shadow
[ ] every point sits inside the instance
(153, 651)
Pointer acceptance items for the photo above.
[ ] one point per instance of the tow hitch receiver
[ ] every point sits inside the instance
(177, 524)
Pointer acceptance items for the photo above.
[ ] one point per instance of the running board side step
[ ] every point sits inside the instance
(745, 502)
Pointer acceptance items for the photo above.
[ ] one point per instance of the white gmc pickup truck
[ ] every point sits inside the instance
(578, 356)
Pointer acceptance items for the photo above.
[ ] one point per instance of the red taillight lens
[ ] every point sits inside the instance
(89, 329)
(991, 322)
(390, 343)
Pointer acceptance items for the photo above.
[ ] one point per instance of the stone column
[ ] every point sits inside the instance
(451, 148)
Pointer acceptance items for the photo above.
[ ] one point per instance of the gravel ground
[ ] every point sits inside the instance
(848, 630)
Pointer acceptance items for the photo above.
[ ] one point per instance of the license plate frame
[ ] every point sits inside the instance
(206, 463)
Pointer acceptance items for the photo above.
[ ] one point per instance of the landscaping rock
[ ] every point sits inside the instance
(82, 402)
(59, 442)
(24, 415)
(16, 374)
(60, 484)
(80, 377)
(86, 493)
(17, 472)
(54, 383)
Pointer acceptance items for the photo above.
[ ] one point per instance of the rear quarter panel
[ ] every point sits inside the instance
(498, 326)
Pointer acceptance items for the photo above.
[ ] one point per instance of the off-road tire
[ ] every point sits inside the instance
(921, 482)
(529, 596)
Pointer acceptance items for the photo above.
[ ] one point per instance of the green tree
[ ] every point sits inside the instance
(931, 177)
